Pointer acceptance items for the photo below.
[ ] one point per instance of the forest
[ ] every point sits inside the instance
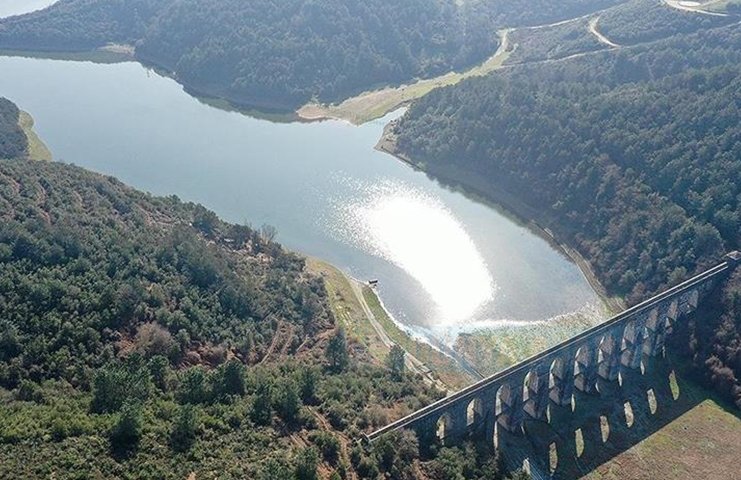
(552, 42)
(633, 154)
(640, 21)
(13, 142)
(138, 340)
(280, 55)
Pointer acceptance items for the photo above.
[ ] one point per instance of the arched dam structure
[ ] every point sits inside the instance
(603, 385)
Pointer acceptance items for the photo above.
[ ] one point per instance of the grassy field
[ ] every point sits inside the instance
(492, 350)
(37, 149)
(440, 365)
(371, 105)
(347, 308)
(702, 443)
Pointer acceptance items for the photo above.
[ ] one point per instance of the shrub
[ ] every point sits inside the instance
(151, 339)
(116, 384)
(29, 391)
(329, 446)
(127, 430)
(185, 428)
(286, 401)
(337, 354)
(306, 464)
(193, 386)
(262, 412)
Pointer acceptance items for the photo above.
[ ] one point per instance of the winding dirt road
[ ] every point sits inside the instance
(602, 39)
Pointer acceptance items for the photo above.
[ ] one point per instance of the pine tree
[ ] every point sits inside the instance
(337, 351)
(185, 428)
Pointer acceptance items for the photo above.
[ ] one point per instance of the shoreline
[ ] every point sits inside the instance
(36, 149)
(495, 197)
(360, 310)
(356, 109)
(374, 104)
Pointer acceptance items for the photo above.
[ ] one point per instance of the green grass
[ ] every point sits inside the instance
(702, 442)
(442, 366)
(37, 149)
(348, 310)
(492, 350)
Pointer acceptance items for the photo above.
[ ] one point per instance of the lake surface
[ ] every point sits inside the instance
(445, 263)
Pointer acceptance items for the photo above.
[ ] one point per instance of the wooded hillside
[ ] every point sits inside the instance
(142, 337)
(13, 142)
(280, 55)
(633, 154)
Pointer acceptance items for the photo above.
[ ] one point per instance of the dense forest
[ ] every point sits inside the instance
(633, 154)
(628, 24)
(648, 20)
(282, 54)
(142, 337)
(13, 142)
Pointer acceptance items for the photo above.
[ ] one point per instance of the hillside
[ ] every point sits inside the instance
(142, 337)
(13, 142)
(280, 55)
(629, 155)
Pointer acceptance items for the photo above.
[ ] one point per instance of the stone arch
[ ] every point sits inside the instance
(653, 317)
(601, 350)
(609, 355)
(509, 405)
(631, 346)
(585, 365)
(496, 436)
(694, 298)
(656, 330)
(673, 311)
(527, 382)
(604, 424)
(474, 412)
(499, 406)
(552, 458)
(629, 334)
(652, 402)
(578, 368)
(674, 385)
(629, 416)
(561, 380)
(642, 339)
(442, 428)
(554, 372)
(578, 442)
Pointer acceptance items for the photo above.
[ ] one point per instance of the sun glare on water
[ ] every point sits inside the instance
(421, 236)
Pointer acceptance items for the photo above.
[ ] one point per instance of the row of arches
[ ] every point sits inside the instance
(625, 346)
(571, 439)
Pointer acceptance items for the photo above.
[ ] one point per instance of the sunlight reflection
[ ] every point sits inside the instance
(420, 235)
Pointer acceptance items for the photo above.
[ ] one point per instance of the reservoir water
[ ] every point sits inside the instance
(444, 262)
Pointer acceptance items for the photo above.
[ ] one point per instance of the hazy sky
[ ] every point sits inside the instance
(16, 7)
